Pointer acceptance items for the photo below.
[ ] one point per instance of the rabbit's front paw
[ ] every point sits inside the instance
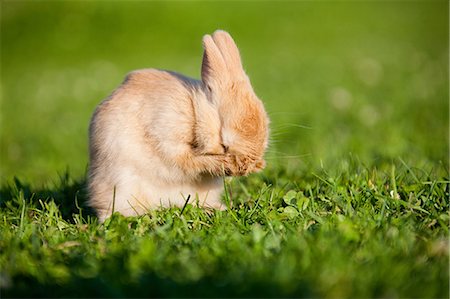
(242, 165)
(228, 165)
(238, 166)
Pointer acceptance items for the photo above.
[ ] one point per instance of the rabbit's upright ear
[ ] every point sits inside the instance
(230, 54)
(214, 69)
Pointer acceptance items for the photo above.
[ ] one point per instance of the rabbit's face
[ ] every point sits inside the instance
(244, 122)
(245, 130)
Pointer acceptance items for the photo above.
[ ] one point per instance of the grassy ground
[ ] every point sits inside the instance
(355, 198)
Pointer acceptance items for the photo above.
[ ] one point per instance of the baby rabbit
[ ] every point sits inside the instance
(161, 137)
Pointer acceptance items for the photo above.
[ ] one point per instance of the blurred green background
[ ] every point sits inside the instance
(367, 79)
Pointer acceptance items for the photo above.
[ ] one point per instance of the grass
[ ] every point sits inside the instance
(354, 201)
(359, 233)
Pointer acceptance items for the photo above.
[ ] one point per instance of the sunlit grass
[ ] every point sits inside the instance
(358, 233)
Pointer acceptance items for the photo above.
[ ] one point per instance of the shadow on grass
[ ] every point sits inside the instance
(151, 285)
(69, 195)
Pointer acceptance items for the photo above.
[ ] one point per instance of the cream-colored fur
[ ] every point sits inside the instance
(161, 137)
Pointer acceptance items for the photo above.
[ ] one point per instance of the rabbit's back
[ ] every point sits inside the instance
(149, 109)
(136, 135)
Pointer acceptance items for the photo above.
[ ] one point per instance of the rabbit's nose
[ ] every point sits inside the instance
(260, 164)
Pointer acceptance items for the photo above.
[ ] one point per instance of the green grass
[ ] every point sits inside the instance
(354, 201)
(358, 233)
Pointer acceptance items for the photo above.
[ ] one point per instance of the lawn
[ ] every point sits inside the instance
(354, 201)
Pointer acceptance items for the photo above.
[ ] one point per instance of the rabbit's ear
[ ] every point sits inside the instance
(214, 69)
(230, 54)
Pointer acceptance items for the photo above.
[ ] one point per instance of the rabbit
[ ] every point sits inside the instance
(161, 137)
